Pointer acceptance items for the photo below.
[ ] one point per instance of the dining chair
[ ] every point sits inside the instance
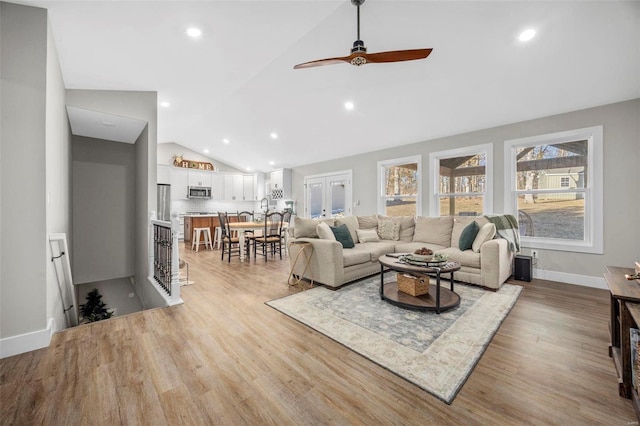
(230, 244)
(271, 239)
(249, 235)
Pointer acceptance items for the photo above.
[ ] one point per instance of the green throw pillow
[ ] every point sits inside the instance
(467, 236)
(344, 236)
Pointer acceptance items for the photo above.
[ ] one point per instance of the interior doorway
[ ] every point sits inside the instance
(328, 195)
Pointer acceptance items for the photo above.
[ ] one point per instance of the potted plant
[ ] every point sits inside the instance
(95, 309)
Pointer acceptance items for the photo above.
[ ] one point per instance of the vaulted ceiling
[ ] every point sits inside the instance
(237, 82)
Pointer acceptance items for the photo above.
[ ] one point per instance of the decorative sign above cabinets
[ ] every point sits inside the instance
(179, 161)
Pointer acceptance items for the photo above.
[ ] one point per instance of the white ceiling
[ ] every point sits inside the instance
(100, 125)
(237, 81)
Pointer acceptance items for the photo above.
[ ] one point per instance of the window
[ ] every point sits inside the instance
(400, 186)
(554, 185)
(462, 181)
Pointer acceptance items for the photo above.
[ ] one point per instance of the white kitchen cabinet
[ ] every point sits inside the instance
(199, 178)
(280, 184)
(249, 188)
(233, 187)
(179, 183)
(217, 186)
(163, 174)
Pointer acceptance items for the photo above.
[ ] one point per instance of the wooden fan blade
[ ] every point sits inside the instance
(321, 62)
(397, 55)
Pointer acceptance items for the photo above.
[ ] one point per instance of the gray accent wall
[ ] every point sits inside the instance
(104, 205)
(58, 185)
(34, 178)
(621, 122)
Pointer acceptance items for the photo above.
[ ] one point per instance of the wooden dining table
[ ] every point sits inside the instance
(243, 227)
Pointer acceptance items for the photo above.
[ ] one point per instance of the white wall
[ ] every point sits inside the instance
(621, 123)
(167, 150)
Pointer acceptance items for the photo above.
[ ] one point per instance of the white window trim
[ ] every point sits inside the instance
(434, 176)
(594, 216)
(381, 182)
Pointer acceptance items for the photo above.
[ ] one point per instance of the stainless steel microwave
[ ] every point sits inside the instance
(199, 192)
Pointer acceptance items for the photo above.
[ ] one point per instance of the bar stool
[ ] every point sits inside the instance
(195, 241)
(217, 237)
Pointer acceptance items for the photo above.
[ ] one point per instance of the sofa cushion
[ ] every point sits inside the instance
(389, 228)
(411, 247)
(466, 258)
(367, 235)
(436, 230)
(352, 224)
(324, 232)
(485, 233)
(407, 228)
(459, 223)
(355, 257)
(306, 228)
(368, 222)
(376, 250)
(342, 235)
(468, 235)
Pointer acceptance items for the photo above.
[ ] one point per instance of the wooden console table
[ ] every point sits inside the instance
(625, 314)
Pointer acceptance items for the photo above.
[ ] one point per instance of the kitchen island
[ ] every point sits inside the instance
(202, 220)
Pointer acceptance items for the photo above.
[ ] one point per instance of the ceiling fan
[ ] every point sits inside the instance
(359, 55)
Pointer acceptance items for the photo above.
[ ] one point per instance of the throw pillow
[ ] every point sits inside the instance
(324, 232)
(306, 228)
(367, 235)
(352, 224)
(343, 236)
(468, 235)
(388, 229)
(486, 233)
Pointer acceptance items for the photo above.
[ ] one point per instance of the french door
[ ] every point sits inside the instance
(328, 195)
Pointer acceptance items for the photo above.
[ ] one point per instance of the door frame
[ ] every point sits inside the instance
(348, 202)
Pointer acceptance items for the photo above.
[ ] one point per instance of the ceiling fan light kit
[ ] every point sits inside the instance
(359, 55)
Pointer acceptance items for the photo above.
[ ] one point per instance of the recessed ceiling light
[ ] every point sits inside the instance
(248, 169)
(527, 35)
(194, 32)
(227, 141)
(271, 163)
(349, 106)
(274, 135)
(165, 104)
(206, 151)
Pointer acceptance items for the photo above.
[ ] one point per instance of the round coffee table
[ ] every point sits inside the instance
(437, 299)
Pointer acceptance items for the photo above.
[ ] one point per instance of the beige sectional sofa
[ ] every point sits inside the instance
(333, 265)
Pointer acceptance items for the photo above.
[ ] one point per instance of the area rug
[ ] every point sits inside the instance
(435, 352)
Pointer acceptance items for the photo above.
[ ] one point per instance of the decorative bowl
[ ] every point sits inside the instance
(420, 257)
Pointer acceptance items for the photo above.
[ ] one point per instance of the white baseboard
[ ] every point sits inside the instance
(27, 342)
(564, 277)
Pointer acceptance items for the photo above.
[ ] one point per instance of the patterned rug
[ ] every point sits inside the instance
(435, 352)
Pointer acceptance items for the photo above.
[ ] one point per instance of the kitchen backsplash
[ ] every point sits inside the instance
(210, 206)
(200, 205)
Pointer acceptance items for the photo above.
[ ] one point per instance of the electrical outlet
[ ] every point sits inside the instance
(132, 295)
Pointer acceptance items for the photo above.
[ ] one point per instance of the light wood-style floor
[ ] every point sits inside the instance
(226, 358)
